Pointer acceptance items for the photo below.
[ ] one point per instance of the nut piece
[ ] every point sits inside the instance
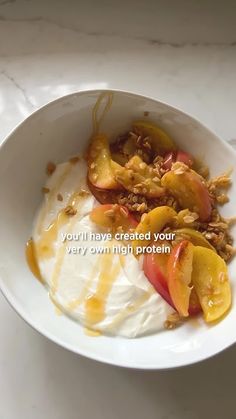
(173, 320)
(69, 210)
(45, 190)
(59, 197)
(51, 167)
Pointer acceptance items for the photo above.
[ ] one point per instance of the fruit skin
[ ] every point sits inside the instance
(159, 140)
(179, 276)
(180, 156)
(113, 216)
(184, 157)
(100, 165)
(153, 222)
(210, 279)
(104, 196)
(195, 237)
(137, 176)
(190, 191)
(155, 269)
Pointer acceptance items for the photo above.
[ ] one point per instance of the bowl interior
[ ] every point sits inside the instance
(56, 132)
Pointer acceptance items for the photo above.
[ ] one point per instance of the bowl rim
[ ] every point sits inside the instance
(13, 302)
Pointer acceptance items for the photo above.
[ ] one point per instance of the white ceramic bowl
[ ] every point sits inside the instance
(54, 132)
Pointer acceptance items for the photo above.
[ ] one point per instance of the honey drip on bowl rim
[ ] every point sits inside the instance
(91, 332)
(32, 259)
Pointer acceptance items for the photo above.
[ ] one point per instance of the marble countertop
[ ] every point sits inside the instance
(183, 53)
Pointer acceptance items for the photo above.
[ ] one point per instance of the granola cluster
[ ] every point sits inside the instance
(173, 320)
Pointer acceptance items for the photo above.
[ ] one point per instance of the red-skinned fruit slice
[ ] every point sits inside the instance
(179, 276)
(104, 196)
(155, 268)
(189, 189)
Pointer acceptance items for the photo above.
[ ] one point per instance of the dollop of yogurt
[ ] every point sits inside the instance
(105, 292)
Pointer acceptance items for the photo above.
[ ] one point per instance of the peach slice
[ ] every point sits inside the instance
(195, 237)
(113, 216)
(153, 222)
(100, 165)
(210, 279)
(189, 189)
(179, 276)
(155, 268)
(159, 140)
(138, 177)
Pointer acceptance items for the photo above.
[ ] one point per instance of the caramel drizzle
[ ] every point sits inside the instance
(95, 304)
(75, 201)
(32, 259)
(51, 196)
(97, 121)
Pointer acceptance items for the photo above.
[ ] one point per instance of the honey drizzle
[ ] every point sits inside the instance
(75, 201)
(91, 332)
(95, 304)
(51, 196)
(76, 302)
(108, 96)
(44, 246)
(32, 259)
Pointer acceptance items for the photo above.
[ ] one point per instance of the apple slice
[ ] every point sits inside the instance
(153, 222)
(159, 140)
(100, 165)
(113, 216)
(179, 276)
(210, 279)
(189, 189)
(194, 236)
(138, 177)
